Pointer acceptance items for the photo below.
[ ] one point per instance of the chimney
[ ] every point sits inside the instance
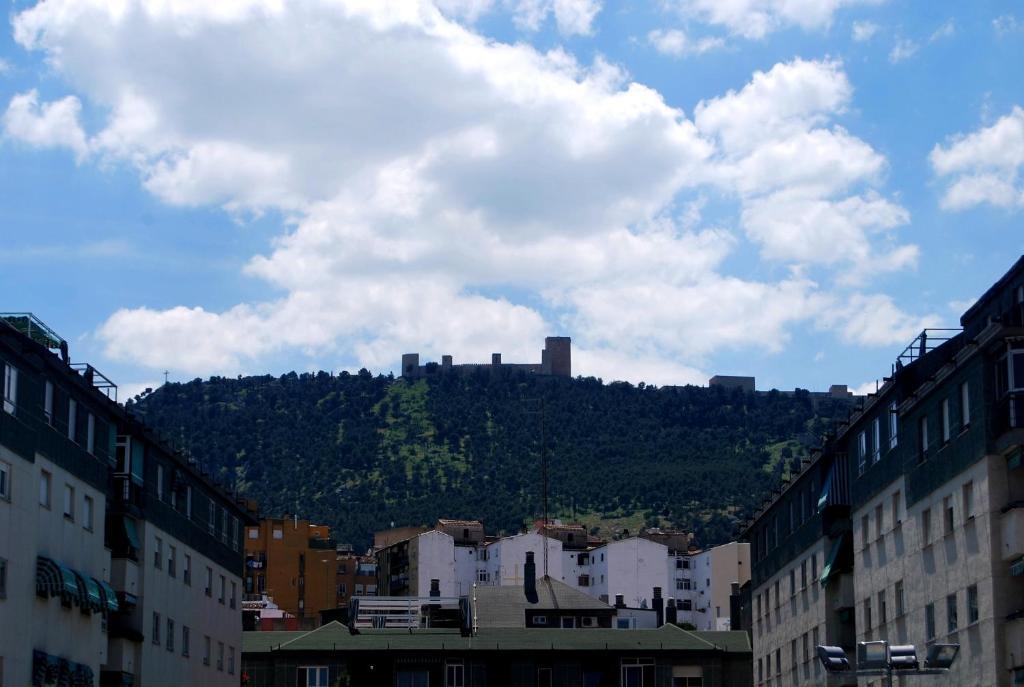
(659, 607)
(435, 588)
(671, 613)
(530, 578)
(620, 601)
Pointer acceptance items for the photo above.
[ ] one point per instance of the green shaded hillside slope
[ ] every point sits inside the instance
(360, 452)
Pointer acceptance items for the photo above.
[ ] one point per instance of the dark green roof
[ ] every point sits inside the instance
(506, 606)
(336, 637)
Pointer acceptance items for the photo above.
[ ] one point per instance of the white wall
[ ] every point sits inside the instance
(632, 567)
(506, 558)
(432, 556)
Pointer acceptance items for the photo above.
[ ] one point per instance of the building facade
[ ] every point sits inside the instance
(109, 529)
(915, 535)
(555, 360)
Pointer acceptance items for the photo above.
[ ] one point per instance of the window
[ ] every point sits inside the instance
(792, 582)
(206, 650)
(897, 516)
(5, 481)
(965, 405)
(211, 521)
(951, 620)
(188, 502)
(234, 595)
(278, 533)
(90, 433)
(635, 672)
(184, 640)
(48, 403)
(926, 527)
(315, 676)
(686, 604)
(864, 532)
(803, 574)
(778, 661)
(876, 439)
(421, 678)
(862, 452)
(186, 570)
(220, 655)
(72, 419)
(158, 554)
(814, 642)
(3, 578)
(234, 534)
(882, 615)
(44, 488)
(945, 420)
(87, 512)
(223, 588)
(231, 660)
(947, 512)
(922, 439)
(814, 569)
(224, 525)
(867, 613)
(172, 557)
(879, 520)
(898, 594)
(69, 502)
(156, 627)
(209, 581)
(972, 604)
(254, 533)
(968, 500)
(343, 588)
(10, 389)
(170, 635)
(929, 621)
(454, 675)
(894, 425)
(160, 482)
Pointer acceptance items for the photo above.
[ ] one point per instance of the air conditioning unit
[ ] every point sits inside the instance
(589, 621)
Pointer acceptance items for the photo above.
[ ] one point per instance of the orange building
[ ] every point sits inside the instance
(294, 563)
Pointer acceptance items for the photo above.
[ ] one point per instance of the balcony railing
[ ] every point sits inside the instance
(925, 342)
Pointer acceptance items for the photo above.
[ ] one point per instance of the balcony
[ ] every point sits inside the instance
(1012, 525)
(1015, 639)
(1009, 414)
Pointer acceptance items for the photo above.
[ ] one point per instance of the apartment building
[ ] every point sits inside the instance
(98, 513)
(355, 576)
(295, 563)
(926, 528)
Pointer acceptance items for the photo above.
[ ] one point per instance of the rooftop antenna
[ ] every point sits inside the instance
(166, 372)
(544, 477)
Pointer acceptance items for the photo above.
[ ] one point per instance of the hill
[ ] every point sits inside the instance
(360, 452)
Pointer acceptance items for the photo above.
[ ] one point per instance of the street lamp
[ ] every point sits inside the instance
(878, 658)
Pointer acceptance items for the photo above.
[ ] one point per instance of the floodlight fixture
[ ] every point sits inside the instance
(834, 659)
(903, 657)
(873, 655)
(941, 656)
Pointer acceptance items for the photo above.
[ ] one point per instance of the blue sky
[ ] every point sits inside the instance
(785, 189)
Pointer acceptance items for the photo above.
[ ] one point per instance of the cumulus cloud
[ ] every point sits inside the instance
(947, 30)
(572, 17)
(984, 167)
(1007, 23)
(758, 18)
(874, 320)
(903, 50)
(423, 170)
(864, 31)
(675, 43)
(47, 125)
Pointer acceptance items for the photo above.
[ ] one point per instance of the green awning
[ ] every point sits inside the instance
(48, 577)
(69, 581)
(132, 533)
(830, 563)
(92, 589)
(1017, 569)
(110, 596)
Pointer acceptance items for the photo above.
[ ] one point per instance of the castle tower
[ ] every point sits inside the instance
(557, 356)
(410, 364)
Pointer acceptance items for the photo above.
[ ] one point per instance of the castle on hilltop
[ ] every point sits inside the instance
(555, 360)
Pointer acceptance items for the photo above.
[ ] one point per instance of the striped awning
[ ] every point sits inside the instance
(92, 592)
(132, 533)
(109, 596)
(836, 490)
(48, 577)
(1017, 569)
(830, 562)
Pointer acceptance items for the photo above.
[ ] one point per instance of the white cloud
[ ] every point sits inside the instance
(866, 388)
(465, 10)
(903, 49)
(959, 307)
(47, 125)
(864, 31)
(947, 30)
(874, 320)
(5, 66)
(572, 17)
(757, 18)
(521, 172)
(984, 166)
(675, 43)
(1006, 23)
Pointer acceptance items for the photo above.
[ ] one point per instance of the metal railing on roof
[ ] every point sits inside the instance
(35, 329)
(96, 379)
(925, 342)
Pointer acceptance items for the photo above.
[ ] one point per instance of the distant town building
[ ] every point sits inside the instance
(120, 561)
(908, 524)
(733, 382)
(295, 563)
(555, 360)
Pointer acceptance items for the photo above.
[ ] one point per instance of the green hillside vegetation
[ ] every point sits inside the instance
(360, 452)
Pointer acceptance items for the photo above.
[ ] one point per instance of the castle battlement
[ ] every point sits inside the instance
(555, 360)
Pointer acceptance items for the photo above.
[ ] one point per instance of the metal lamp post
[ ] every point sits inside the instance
(880, 659)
